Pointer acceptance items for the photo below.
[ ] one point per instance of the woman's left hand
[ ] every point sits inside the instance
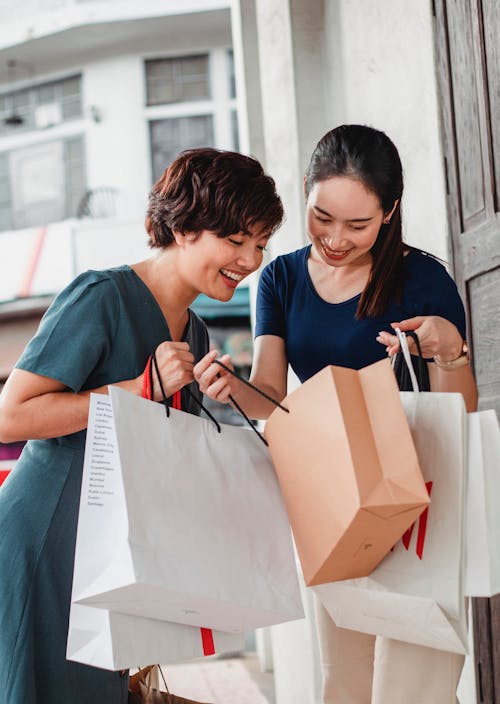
(213, 380)
(437, 337)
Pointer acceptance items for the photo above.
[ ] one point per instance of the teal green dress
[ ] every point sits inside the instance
(99, 330)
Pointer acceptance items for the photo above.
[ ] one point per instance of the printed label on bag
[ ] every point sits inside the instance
(102, 459)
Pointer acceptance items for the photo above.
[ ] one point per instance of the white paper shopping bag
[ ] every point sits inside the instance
(482, 555)
(119, 641)
(416, 593)
(181, 523)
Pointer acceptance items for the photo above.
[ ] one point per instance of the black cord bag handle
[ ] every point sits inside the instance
(419, 365)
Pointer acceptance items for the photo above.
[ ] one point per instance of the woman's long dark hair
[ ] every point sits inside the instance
(368, 155)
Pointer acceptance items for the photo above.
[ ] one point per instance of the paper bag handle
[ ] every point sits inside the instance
(148, 393)
(403, 343)
(148, 390)
(251, 386)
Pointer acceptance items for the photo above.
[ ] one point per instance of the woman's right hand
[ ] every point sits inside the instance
(214, 381)
(175, 364)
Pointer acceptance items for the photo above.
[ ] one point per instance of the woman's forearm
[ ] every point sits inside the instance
(459, 380)
(49, 415)
(253, 403)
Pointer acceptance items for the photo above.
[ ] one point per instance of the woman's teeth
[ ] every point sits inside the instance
(232, 275)
(335, 252)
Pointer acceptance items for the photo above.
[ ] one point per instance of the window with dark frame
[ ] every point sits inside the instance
(176, 80)
(41, 183)
(63, 97)
(174, 134)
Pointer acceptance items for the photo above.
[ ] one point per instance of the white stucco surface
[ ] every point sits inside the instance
(379, 59)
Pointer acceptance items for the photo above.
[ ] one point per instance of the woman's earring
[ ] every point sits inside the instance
(387, 222)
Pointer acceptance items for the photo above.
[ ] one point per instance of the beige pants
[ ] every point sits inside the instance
(363, 669)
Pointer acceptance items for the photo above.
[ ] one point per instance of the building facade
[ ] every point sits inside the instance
(96, 98)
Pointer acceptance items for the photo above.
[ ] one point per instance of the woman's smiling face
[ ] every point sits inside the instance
(215, 265)
(343, 219)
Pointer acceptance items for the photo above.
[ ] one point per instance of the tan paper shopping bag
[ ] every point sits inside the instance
(348, 470)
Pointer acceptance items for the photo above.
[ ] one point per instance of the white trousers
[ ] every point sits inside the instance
(364, 669)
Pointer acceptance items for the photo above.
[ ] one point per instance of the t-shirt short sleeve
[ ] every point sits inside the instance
(76, 332)
(270, 316)
(432, 291)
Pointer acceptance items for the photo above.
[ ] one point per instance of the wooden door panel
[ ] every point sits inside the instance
(485, 322)
(491, 32)
(468, 66)
(483, 648)
(466, 49)
(466, 112)
(479, 251)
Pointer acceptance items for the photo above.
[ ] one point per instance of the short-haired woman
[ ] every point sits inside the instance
(209, 218)
(337, 301)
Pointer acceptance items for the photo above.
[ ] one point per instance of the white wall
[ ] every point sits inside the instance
(117, 148)
(328, 62)
(379, 70)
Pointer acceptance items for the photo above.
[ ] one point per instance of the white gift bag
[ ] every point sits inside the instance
(416, 593)
(482, 562)
(119, 641)
(179, 522)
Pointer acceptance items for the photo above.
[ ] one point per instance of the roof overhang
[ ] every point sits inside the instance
(77, 39)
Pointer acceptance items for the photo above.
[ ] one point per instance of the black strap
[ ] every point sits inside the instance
(242, 412)
(197, 400)
(420, 367)
(167, 401)
(255, 388)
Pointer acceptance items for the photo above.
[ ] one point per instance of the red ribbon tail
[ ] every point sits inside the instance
(146, 387)
(207, 639)
(422, 526)
(176, 401)
(407, 536)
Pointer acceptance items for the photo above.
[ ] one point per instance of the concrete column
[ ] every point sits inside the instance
(247, 75)
(248, 93)
(290, 51)
(280, 119)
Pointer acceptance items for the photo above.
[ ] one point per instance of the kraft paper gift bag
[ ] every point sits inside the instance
(416, 594)
(482, 560)
(348, 470)
(179, 522)
(116, 641)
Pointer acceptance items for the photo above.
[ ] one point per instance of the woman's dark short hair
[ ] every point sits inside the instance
(210, 189)
(369, 156)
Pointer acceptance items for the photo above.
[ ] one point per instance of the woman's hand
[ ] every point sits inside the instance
(437, 336)
(175, 364)
(214, 381)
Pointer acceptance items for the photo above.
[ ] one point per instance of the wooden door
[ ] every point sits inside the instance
(468, 64)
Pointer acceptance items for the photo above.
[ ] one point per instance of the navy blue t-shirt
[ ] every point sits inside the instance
(318, 333)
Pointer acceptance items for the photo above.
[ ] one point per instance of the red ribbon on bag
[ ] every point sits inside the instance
(422, 529)
(207, 636)
(207, 639)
